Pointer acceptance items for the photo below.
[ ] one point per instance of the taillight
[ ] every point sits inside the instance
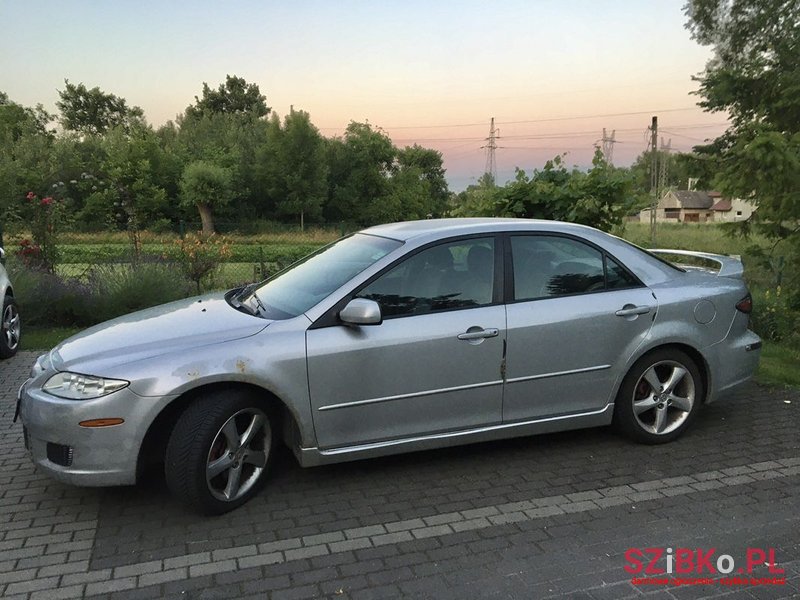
(745, 305)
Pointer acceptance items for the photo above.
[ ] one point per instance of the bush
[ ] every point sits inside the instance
(45, 299)
(160, 226)
(281, 253)
(119, 289)
(48, 300)
(199, 255)
(774, 318)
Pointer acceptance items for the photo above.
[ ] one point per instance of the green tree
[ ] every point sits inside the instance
(479, 200)
(296, 165)
(15, 119)
(603, 195)
(25, 154)
(206, 186)
(599, 197)
(92, 111)
(233, 141)
(77, 169)
(422, 167)
(681, 167)
(408, 198)
(233, 96)
(130, 168)
(358, 180)
(170, 166)
(230, 141)
(754, 76)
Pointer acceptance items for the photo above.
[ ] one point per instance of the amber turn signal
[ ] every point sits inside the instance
(101, 422)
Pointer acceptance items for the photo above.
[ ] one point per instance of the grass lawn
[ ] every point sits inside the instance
(779, 364)
(706, 238)
(44, 338)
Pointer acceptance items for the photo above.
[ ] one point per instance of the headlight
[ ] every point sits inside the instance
(75, 386)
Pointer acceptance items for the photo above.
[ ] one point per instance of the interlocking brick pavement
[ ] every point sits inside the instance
(547, 516)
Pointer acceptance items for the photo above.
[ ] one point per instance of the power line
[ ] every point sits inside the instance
(545, 136)
(548, 148)
(700, 125)
(575, 118)
(545, 120)
(688, 137)
(458, 139)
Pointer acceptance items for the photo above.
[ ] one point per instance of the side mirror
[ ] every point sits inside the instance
(360, 311)
(2, 254)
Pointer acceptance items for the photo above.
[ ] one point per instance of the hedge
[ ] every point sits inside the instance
(283, 254)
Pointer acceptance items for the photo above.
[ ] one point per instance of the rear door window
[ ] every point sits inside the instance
(550, 266)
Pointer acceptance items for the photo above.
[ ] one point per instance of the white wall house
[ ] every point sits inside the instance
(690, 206)
(735, 209)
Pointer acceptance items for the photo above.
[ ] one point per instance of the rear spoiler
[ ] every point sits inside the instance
(730, 266)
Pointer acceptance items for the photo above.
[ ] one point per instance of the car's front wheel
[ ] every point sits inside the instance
(10, 328)
(218, 453)
(659, 397)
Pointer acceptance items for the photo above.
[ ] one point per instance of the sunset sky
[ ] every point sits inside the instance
(552, 73)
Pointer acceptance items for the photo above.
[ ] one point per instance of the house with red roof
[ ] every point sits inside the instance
(694, 206)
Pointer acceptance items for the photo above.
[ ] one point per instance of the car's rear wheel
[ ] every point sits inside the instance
(659, 397)
(218, 453)
(10, 328)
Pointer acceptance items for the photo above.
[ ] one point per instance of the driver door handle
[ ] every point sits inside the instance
(630, 310)
(477, 335)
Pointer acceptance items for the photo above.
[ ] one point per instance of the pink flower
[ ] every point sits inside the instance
(30, 196)
(47, 201)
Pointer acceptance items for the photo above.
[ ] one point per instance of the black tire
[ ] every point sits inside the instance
(201, 443)
(656, 416)
(10, 328)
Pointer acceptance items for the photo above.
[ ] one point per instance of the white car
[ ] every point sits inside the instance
(9, 317)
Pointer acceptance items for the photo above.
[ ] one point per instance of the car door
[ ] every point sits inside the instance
(432, 365)
(574, 316)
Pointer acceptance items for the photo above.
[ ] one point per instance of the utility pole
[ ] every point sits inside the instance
(663, 171)
(653, 177)
(608, 145)
(491, 146)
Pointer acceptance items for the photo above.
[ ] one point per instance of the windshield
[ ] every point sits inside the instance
(296, 289)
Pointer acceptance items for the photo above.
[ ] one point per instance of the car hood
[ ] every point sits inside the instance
(159, 330)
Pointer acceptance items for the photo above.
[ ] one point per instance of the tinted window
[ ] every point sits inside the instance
(617, 277)
(444, 277)
(304, 284)
(546, 266)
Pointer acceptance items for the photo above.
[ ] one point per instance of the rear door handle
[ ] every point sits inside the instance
(630, 310)
(477, 335)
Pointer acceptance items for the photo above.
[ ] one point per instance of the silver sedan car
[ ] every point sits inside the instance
(402, 337)
(10, 327)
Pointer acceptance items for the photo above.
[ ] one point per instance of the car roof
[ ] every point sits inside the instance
(409, 230)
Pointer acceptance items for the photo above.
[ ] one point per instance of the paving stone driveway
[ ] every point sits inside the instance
(528, 518)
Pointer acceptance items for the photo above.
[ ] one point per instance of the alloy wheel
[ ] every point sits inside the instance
(663, 397)
(238, 455)
(11, 327)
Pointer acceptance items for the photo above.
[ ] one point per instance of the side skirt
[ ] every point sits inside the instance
(312, 457)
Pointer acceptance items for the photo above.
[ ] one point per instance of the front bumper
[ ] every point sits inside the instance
(86, 456)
